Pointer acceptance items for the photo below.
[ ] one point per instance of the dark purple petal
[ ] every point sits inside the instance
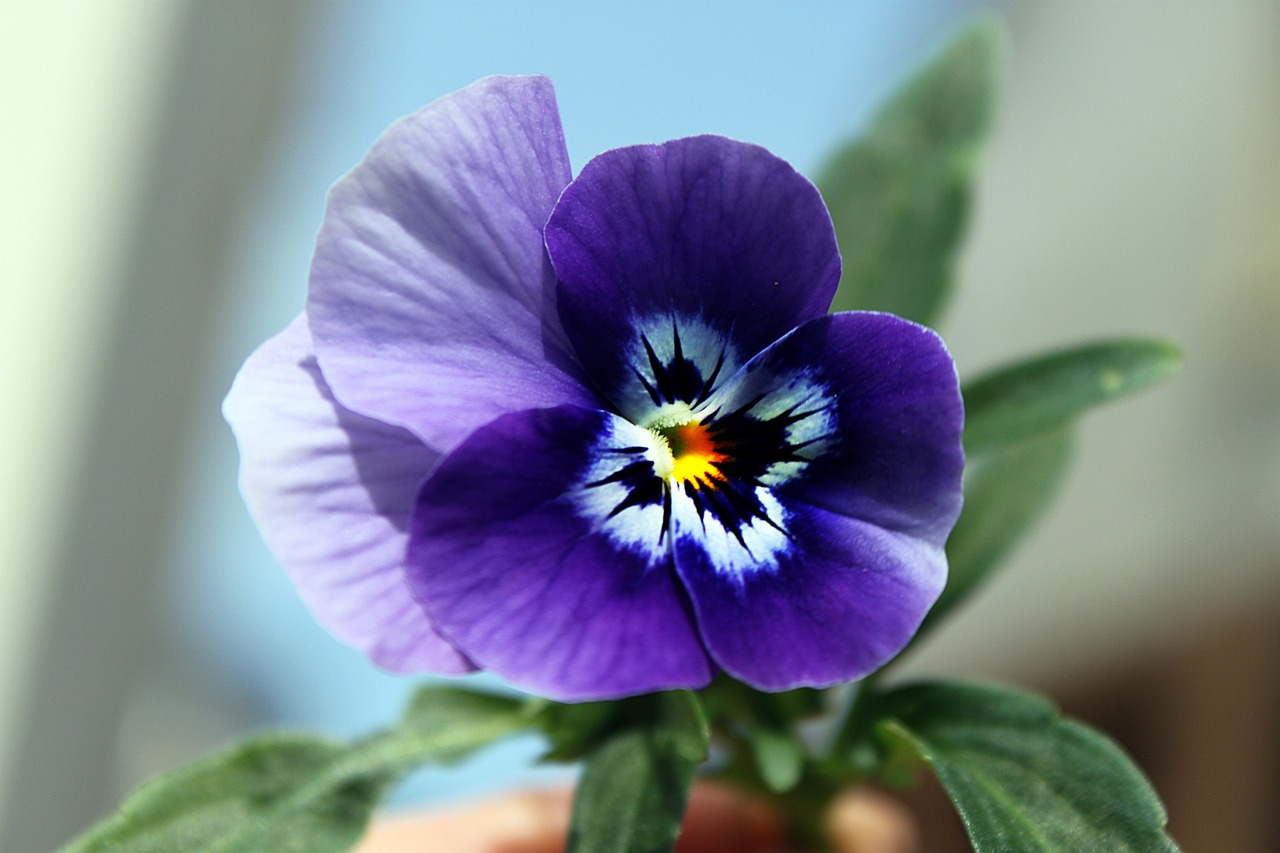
(536, 574)
(712, 232)
(893, 453)
(431, 299)
(835, 605)
(332, 492)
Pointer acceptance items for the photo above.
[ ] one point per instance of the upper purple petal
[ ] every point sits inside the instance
(714, 233)
(431, 298)
(332, 491)
(525, 561)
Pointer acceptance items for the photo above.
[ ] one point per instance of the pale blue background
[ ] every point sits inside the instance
(796, 78)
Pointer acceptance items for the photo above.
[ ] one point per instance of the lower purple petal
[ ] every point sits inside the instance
(532, 580)
(332, 492)
(836, 605)
(819, 566)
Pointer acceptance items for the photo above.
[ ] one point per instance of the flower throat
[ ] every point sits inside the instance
(693, 452)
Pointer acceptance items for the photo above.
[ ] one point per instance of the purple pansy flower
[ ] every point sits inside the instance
(597, 435)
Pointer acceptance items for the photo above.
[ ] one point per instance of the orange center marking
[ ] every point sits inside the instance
(693, 452)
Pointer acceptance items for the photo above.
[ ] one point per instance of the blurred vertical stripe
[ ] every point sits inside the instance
(219, 92)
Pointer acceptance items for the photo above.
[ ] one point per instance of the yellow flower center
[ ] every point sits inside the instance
(694, 456)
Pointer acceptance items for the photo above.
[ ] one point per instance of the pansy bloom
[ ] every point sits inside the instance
(597, 435)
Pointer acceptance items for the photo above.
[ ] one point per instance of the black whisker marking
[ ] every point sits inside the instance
(638, 471)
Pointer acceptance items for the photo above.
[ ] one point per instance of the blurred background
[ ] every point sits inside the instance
(165, 170)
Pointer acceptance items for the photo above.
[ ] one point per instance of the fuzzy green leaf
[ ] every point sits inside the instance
(635, 784)
(1035, 396)
(1021, 776)
(297, 793)
(899, 194)
(260, 795)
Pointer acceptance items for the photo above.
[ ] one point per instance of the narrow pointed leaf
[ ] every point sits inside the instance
(297, 793)
(1005, 493)
(1035, 396)
(1021, 776)
(635, 785)
(899, 194)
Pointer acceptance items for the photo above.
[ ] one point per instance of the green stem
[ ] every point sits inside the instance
(804, 808)
(854, 725)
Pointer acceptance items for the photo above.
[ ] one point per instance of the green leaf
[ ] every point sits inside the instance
(1021, 776)
(258, 796)
(297, 792)
(634, 787)
(899, 194)
(1035, 396)
(1005, 493)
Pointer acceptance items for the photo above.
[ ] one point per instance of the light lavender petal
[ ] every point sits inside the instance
(431, 299)
(332, 491)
